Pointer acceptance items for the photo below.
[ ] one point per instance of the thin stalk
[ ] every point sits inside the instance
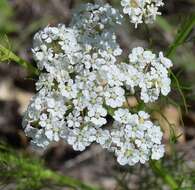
(180, 91)
(182, 35)
(61, 180)
(164, 174)
(180, 39)
(22, 169)
(8, 55)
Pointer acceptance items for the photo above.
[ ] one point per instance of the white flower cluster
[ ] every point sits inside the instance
(149, 73)
(82, 88)
(135, 138)
(141, 11)
(93, 18)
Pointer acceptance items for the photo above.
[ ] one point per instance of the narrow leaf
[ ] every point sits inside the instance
(182, 35)
(8, 55)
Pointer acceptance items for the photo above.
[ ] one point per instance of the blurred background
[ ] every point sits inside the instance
(21, 19)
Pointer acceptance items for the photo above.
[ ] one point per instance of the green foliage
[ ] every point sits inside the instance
(7, 55)
(183, 33)
(164, 174)
(157, 166)
(174, 172)
(181, 37)
(179, 88)
(29, 173)
(162, 22)
(7, 25)
(171, 173)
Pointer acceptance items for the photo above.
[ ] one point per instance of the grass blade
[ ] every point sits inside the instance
(164, 174)
(29, 173)
(8, 55)
(182, 35)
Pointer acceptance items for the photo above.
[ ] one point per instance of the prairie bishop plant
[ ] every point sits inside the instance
(83, 86)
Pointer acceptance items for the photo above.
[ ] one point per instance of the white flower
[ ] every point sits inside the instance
(74, 119)
(93, 17)
(117, 137)
(96, 115)
(115, 97)
(127, 155)
(158, 152)
(40, 140)
(112, 74)
(83, 87)
(69, 89)
(165, 61)
(141, 11)
(81, 138)
(43, 120)
(54, 44)
(137, 140)
(103, 138)
(143, 115)
(122, 116)
(152, 74)
(155, 134)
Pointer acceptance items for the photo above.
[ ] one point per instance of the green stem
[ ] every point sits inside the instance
(180, 91)
(8, 55)
(24, 170)
(61, 180)
(164, 174)
(182, 35)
